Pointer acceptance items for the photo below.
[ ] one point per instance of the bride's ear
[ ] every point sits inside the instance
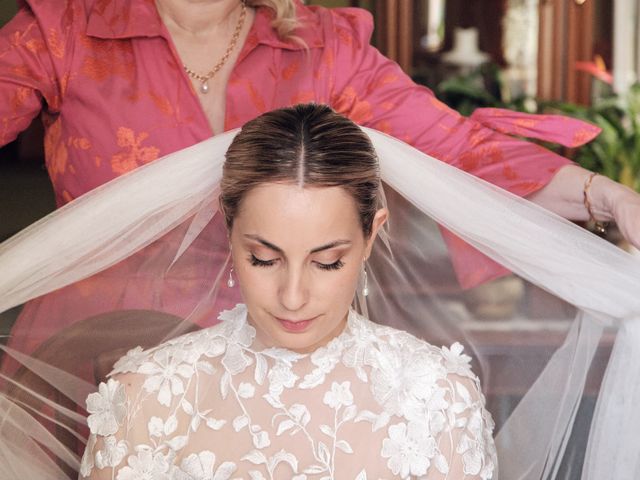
(379, 220)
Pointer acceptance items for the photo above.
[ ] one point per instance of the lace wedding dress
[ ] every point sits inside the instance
(374, 403)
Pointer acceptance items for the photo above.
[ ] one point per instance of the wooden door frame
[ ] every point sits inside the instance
(566, 37)
(394, 30)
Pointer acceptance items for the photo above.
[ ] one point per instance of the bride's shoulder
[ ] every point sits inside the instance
(407, 349)
(190, 347)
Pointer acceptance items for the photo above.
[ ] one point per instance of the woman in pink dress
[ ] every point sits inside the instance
(120, 83)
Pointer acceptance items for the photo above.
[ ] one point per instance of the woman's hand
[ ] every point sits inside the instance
(624, 206)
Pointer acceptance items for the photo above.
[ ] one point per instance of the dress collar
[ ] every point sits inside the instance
(237, 329)
(121, 19)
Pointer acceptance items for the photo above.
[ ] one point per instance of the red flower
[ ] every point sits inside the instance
(597, 68)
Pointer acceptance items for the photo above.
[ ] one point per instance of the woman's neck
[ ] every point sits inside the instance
(198, 17)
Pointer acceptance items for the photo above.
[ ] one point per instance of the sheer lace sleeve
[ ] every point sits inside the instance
(445, 431)
(116, 423)
(466, 442)
(145, 416)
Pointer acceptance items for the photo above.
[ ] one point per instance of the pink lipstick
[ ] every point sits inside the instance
(295, 326)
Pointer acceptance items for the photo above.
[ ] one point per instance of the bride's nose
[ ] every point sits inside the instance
(293, 291)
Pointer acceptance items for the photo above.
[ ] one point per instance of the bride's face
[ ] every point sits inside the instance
(298, 254)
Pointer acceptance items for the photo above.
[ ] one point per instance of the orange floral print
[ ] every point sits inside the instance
(345, 36)
(385, 80)
(80, 143)
(256, 98)
(384, 127)
(328, 60)
(289, 71)
(348, 104)
(163, 103)
(19, 97)
(580, 137)
(108, 59)
(303, 97)
(36, 46)
(481, 156)
(133, 154)
(478, 135)
(509, 172)
(526, 122)
(55, 150)
(386, 106)
(56, 45)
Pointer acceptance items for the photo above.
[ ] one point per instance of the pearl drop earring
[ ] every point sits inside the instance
(365, 282)
(230, 281)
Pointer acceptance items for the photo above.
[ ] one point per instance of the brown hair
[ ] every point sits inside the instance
(308, 145)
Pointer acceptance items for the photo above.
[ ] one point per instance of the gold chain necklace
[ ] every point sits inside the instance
(204, 79)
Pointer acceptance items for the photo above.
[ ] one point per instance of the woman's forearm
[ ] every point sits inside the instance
(564, 194)
(609, 200)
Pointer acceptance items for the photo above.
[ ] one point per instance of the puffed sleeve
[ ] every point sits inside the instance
(28, 79)
(375, 92)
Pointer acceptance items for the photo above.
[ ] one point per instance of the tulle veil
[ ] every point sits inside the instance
(143, 258)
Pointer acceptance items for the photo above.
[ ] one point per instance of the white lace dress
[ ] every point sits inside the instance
(375, 403)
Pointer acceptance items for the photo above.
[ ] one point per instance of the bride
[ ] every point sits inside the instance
(294, 384)
(297, 381)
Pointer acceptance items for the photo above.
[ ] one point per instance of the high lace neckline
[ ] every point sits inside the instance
(239, 317)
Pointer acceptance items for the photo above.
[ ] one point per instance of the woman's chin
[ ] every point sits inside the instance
(301, 342)
(302, 335)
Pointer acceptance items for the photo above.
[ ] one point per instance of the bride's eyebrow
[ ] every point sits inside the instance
(275, 248)
(327, 246)
(264, 242)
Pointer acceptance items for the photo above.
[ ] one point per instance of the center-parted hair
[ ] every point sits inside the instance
(307, 145)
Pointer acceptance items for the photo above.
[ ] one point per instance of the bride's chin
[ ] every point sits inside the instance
(305, 342)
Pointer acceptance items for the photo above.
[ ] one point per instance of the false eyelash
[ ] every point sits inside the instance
(256, 262)
(331, 266)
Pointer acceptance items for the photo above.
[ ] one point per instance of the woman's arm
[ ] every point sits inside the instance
(27, 74)
(375, 92)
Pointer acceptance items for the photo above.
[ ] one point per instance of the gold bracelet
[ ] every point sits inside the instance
(599, 228)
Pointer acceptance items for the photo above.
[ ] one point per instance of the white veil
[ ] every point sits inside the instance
(150, 234)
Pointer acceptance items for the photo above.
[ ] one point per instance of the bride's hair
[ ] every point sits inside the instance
(307, 145)
(284, 15)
